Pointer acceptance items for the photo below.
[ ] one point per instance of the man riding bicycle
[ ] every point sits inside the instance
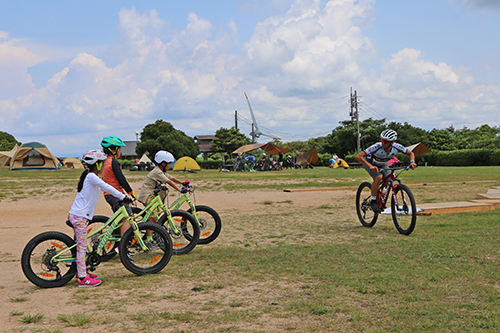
(375, 158)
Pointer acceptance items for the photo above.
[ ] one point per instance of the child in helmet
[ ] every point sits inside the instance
(163, 159)
(113, 175)
(83, 210)
(375, 158)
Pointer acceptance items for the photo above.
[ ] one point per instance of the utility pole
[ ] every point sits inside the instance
(355, 116)
(236, 119)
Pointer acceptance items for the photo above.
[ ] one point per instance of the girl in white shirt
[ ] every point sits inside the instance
(83, 210)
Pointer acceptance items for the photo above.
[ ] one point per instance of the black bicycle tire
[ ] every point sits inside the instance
(128, 262)
(187, 218)
(358, 207)
(409, 230)
(27, 256)
(111, 254)
(216, 220)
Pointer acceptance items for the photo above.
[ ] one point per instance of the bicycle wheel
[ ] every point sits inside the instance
(141, 262)
(209, 222)
(38, 264)
(366, 215)
(188, 231)
(404, 214)
(108, 251)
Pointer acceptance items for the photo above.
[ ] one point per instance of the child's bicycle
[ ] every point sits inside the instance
(49, 259)
(403, 207)
(180, 225)
(207, 218)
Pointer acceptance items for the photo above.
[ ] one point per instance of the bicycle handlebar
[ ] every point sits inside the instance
(400, 167)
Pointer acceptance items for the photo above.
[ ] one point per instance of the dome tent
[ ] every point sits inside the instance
(33, 155)
(72, 163)
(186, 163)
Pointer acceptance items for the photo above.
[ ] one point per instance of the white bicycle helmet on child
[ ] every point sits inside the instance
(389, 135)
(163, 156)
(93, 156)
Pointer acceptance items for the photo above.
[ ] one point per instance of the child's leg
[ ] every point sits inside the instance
(154, 215)
(80, 227)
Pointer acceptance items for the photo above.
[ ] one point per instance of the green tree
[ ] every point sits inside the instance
(163, 136)
(343, 140)
(482, 137)
(440, 139)
(296, 145)
(7, 141)
(228, 140)
(409, 135)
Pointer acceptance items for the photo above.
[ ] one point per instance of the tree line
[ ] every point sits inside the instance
(342, 140)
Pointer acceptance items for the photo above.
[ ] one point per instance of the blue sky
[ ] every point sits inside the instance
(74, 72)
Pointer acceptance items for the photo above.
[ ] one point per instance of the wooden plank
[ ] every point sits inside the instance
(495, 202)
(454, 207)
(487, 196)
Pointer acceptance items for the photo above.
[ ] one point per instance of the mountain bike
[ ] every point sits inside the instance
(49, 259)
(403, 207)
(207, 218)
(180, 225)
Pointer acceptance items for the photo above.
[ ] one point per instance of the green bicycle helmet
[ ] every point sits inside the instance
(111, 141)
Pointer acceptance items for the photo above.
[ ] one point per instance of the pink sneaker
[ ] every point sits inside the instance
(88, 282)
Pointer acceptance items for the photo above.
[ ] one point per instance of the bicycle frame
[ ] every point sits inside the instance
(113, 222)
(185, 198)
(389, 180)
(144, 215)
(182, 199)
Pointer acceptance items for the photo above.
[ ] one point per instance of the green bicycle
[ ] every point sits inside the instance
(208, 220)
(180, 225)
(49, 259)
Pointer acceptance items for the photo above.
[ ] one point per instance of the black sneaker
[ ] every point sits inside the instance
(374, 206)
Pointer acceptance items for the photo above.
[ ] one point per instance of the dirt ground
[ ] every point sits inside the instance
(23, 219)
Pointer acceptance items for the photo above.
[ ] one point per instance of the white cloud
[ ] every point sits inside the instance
(14, 62)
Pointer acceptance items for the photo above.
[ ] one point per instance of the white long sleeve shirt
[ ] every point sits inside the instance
(86, 200)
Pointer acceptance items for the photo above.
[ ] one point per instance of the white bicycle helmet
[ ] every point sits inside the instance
(389, 135)
(93, 156)
(164, 156)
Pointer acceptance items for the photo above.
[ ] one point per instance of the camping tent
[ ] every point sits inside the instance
(247, 148)
(144, 159)
(272, 149)
(71, 162)
(33, 155)
(419, 149)
(308, 158)
(6, 156)
(269, 147)
(186, 163)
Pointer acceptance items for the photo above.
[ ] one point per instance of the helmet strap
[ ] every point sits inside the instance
(99, 166)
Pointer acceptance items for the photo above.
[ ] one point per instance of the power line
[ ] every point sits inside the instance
(372, 110)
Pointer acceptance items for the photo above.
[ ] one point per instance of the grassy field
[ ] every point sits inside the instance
(303, 271)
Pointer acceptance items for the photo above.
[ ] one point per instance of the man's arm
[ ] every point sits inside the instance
(412, 159)
(361, 157)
